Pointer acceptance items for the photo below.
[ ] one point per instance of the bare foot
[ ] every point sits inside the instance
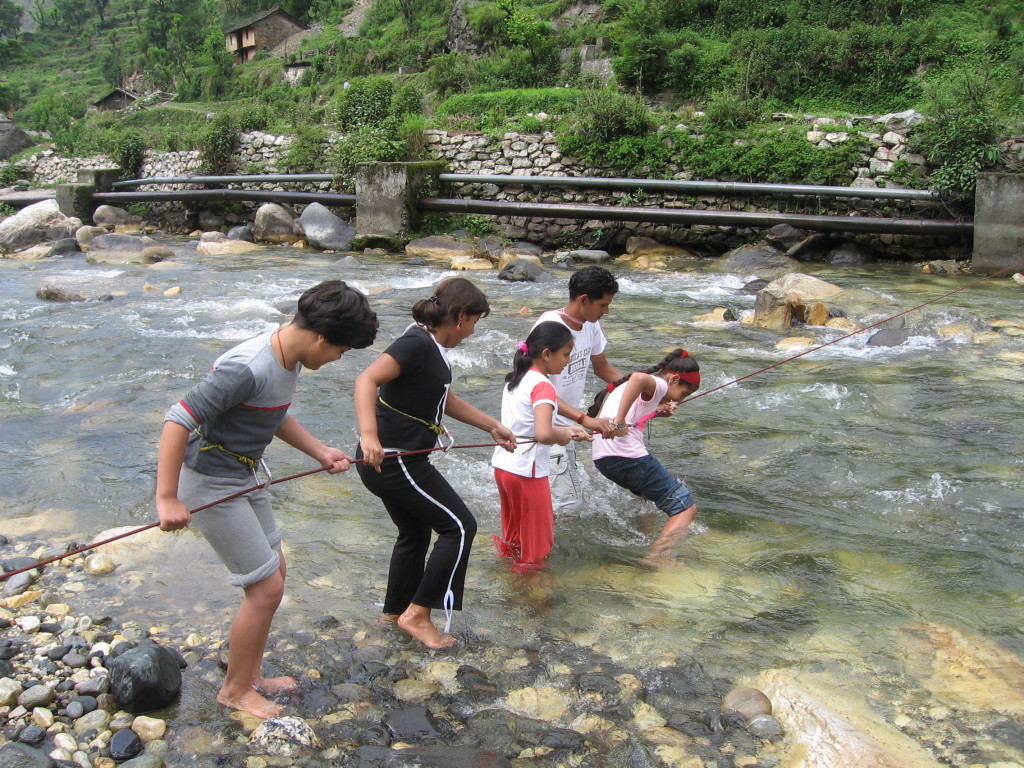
(386, 620)
(423, 629)
(253, 703)
(657, 562)
(272, 685)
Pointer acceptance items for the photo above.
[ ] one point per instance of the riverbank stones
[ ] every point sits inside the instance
(749, 702)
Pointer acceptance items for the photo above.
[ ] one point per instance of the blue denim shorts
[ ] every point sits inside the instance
(646, 477)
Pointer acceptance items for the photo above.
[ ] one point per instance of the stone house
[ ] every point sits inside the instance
(261, 33)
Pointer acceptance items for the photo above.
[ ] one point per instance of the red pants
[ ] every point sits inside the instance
(527, 519)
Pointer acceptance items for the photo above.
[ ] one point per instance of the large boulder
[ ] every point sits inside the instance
(276, 224)
(324, 230)
(830, 728)
(126, 249)
(109, 216)
(37, 223)
(16, 755)
(647, 246)
(790, 296)
(145, 679)
(754, 259)
(12, 139)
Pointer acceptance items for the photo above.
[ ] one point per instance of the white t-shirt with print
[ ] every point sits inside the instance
(571, 382)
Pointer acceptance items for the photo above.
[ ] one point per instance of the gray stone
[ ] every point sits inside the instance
(12, 139)
(324, 230)
(283, 736)
(126, 249)
(108, 216)
(588, 255)
(524, 271)
(243, 232)
(74, 288)
(888, 337)
(275, 224)
(753, 259)
(37, 696)
(16, 755)
(850, 253)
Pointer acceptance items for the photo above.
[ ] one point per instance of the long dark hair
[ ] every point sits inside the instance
(451, 298)
(546, 335)
(677, 361)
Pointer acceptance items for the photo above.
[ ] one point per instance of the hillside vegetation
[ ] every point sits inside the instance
(523, 64)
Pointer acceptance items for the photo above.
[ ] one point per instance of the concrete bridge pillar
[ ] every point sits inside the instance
(386, 196)
(76, 199)
(998, 222)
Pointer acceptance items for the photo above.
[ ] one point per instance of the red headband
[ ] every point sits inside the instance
(690, 377)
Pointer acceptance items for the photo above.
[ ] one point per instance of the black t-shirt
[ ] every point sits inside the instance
(421, 390)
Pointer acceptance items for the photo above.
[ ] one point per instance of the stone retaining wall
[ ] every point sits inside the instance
(529, 154)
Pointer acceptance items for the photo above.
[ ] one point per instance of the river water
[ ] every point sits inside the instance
(842, 497)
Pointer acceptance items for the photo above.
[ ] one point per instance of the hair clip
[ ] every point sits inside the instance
(523, 347)
(433, 299)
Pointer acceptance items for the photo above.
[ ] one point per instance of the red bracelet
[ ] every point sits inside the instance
(581, 417)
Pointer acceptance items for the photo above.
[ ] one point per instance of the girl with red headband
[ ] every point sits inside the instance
(624, 459)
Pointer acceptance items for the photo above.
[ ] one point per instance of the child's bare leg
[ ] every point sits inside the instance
(674, 531)
(416, 621)
(248, 638)
(283, 684)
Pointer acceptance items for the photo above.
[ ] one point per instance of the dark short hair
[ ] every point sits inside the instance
(593, 281)
(340, 313)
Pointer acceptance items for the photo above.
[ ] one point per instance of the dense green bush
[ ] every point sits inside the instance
(217, 144)
(306, 153)
(490, 110)
(367, 101)
(129, 148)
(766, 153)
(364, 144)
(616, 128)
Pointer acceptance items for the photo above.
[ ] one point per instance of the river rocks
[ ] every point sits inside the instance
(145, 679)
(440, 247)
(850, 253)
(219, 244)
(283, 736)
(114, 248)
(548, 704)
(125, 745)
(37, 223)
(888, 337)
(749, 702)
(276, 224)
(831, 729)
(787, 298)
(964, 670)
(647, 246)
(717, 315)
(588, 255)
(324, 230)
(85, 235)
(461, 263)
(108, 216)
(15, 755)
(99, 564)
(757, 259)
(37, 696)
(523, 270)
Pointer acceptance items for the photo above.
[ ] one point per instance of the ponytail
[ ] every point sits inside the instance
(545, 336)
(678, 361)
(451, 298)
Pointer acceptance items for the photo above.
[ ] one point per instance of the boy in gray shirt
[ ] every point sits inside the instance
(212, 442)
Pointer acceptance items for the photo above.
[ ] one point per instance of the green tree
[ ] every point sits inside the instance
(10, 19)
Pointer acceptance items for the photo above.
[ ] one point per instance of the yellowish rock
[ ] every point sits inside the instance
(464, 263)
(149, 728)
(843, 324)
(962, 670)
(411, 689)
(58, 609)
(1011, 357)
(173, 291)
(717, 315)
(24, 598)
(986, 337)
(829, 728)
(795, 344)
(668, 737)
(248, 722)
(954, 329)
(548, 704)
(645, 716)
(678, 757)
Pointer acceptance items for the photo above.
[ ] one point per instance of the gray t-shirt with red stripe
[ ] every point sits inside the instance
(239, 405)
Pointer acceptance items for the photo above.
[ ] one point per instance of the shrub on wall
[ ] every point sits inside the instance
(217, 145)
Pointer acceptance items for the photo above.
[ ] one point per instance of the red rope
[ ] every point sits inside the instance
(73, 552)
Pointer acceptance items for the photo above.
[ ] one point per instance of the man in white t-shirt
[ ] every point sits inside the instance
(591, 291)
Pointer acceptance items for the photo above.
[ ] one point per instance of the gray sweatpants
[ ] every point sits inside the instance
(241, 531)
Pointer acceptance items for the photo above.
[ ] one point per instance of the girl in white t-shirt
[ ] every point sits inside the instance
(528, 404)
(624, 459)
